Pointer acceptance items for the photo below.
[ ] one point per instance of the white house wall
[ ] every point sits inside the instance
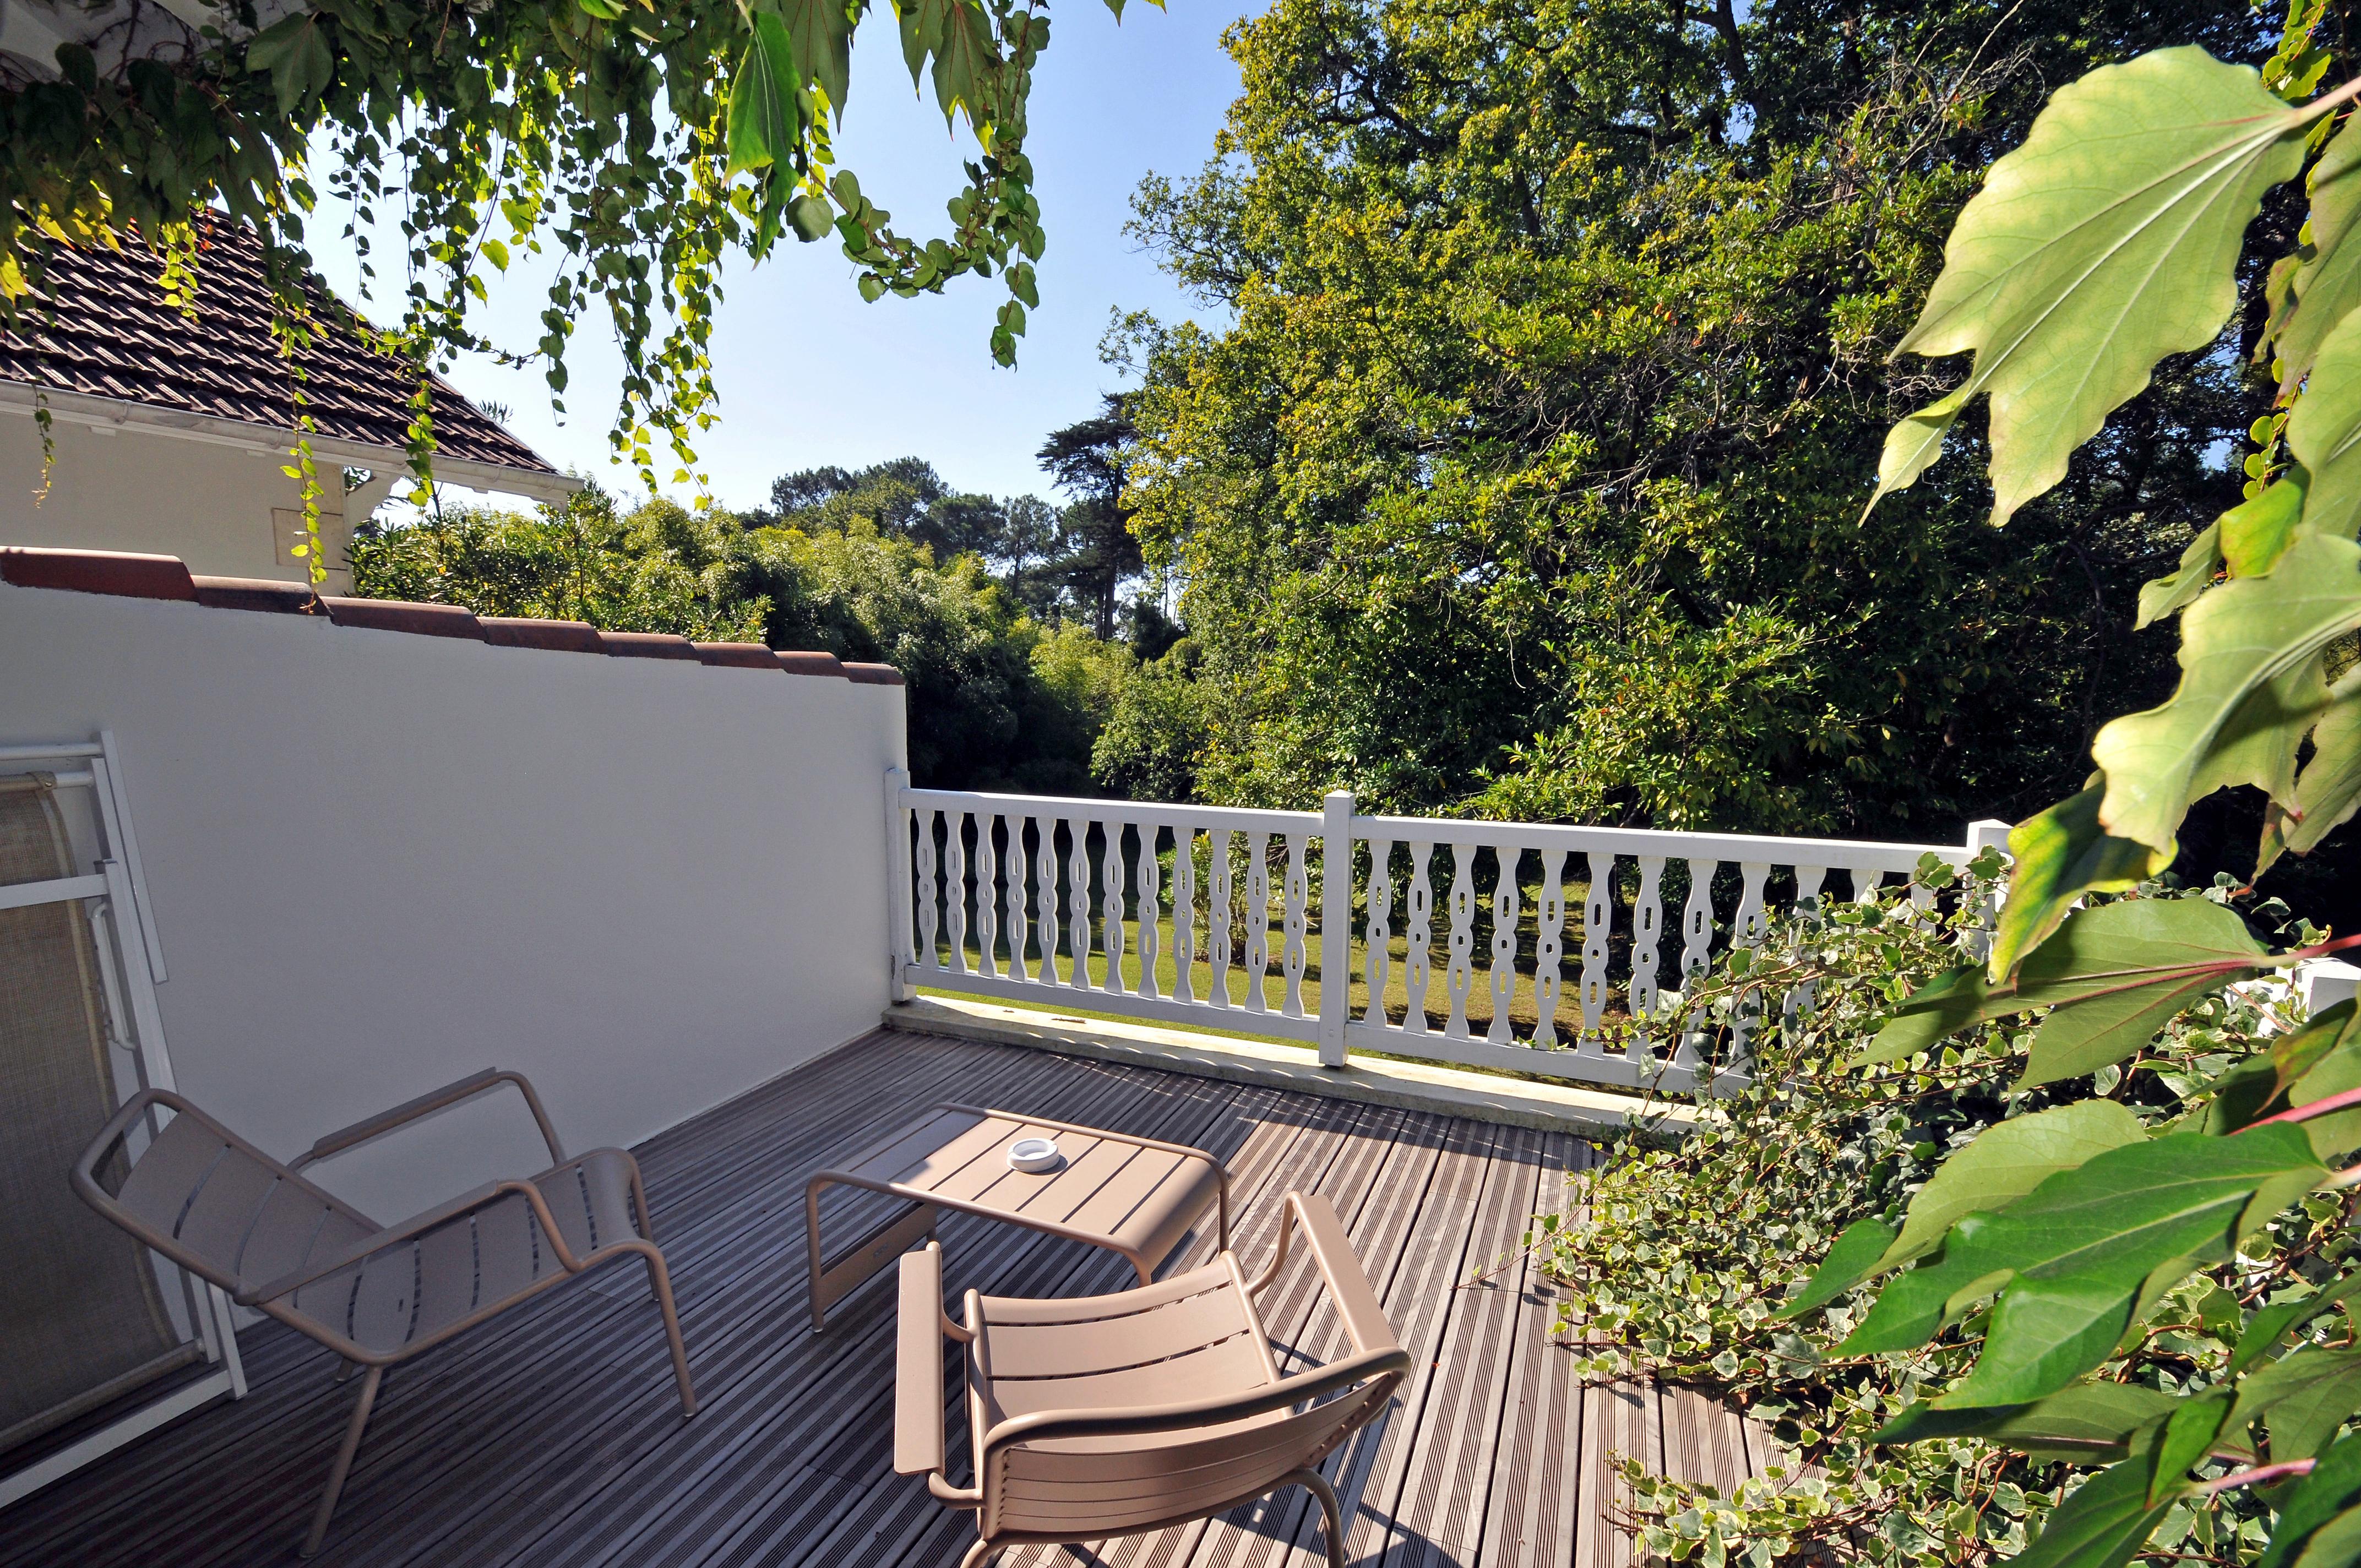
(141, 490)
(380, 862)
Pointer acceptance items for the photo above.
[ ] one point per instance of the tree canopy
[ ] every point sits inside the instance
(1527, 471)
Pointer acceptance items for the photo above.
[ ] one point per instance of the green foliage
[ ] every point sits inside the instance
(995, 700)
(634, 144)
(2125, 1269)
(1532, 451)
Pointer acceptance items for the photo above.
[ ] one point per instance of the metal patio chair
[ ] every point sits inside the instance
(375, 1294)
(1109, 1415)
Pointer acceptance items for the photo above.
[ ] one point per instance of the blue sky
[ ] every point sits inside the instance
(809, 375)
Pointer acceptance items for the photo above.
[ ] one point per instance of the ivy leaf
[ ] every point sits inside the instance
(2323, 430)
(2318, 1505)
(820, 35)
(812, 216)
(2105, 1523)
(764, 123)
(2329, 788)
(295, 51)
(2003, 1163)
(2163, 596)
(2107, 241)
(2250, 687)
(2327, 284)
(1852, 1257)
(2059, 856)
(2072, 1257)
(2086, 1422)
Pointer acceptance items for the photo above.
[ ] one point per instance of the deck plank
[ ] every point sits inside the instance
(550, 1436)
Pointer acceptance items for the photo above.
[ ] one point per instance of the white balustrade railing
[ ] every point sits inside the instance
(1486, 944)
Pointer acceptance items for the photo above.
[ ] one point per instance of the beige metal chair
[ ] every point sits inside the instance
(374, 1294)
(1108, 1415)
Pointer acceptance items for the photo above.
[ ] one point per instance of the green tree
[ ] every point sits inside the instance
(1534, 448)
(995, 701)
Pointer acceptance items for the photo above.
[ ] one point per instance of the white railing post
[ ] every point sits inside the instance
(899, 955)
(1986, 833)
(1335, 924)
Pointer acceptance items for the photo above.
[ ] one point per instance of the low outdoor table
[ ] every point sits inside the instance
(1133, 1196)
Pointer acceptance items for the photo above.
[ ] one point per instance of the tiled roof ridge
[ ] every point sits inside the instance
(125, 574)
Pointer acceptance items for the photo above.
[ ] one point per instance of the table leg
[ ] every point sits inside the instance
(832, 1281)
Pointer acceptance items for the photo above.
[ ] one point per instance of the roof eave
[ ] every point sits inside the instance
(114, 414)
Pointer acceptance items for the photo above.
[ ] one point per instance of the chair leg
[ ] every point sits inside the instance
(344, 1464)
(1330, 1513)
(660, 1277)
(982, 1553)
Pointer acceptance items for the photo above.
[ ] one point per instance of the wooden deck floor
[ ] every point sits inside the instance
(551, 1437)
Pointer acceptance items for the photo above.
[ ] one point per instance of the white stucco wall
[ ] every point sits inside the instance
(380, 862)
(162, 493)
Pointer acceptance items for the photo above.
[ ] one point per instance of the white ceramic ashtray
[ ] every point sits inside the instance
(1035, 1155)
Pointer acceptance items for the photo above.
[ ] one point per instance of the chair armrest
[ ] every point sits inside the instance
(417, 1224)
(918, 1367)
(1331, 1250)
(450, 1094)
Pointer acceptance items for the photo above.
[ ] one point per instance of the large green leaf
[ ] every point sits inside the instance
(2115, 973)
(2058, 855)
(2332, 1489)
(296, 52)
(2199, 563)
(2306, 1398)
(2324, 431)
(2107, 241)
(1852, 1257)
(819, 32)
(2003, 1163)
(2256, 533)
(2187, 1438)
(764, 123)
(2259, 1086)
(967, 62)
(2328, 284)
(2271, 1325)
(2329, 788)
(2088, 1422)
(2250, 687)
(2072, 1258)
(2105, 1523)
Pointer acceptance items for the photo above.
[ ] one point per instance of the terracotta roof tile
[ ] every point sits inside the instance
(115, 336)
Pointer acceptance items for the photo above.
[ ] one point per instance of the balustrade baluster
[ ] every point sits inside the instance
(1184, 913)
(1419, 951)
(1257, 920)
(1295, 919)
(1697, 953)
(955, 884)
(987, 893)
(1012, 876)
(1747, 929)
(1148, 879)
(1647, 930)
(1220, 917)
(929, 890)
(1078, 902)
(1549, 943)
(1459, 979)
(1598, 926)
(1807, 907)
(1111, 882)
(1506, 861)
(1377, 932)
